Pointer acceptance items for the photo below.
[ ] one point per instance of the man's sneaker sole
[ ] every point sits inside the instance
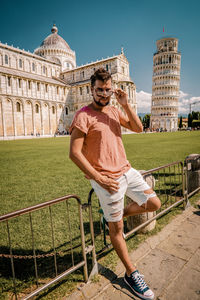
(137, 294)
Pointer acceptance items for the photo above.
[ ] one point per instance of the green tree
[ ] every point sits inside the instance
(146, 121)
(195, 115)
(189, 120)
(195, 123)
(181, 122)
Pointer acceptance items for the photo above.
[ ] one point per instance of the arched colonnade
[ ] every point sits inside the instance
(23, 117)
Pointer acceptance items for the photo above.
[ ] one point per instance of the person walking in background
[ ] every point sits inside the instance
(96, 148)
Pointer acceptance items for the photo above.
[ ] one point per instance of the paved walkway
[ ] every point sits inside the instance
(169, 260)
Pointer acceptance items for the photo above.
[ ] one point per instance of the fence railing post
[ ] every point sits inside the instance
(186, 202)
(192, 163)
(12, 262)
(83, 242)
(94, 258)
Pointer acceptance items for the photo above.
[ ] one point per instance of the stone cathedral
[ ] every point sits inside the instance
(41, 91)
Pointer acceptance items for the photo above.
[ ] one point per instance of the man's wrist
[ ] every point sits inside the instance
(125, 106)
(97, 176)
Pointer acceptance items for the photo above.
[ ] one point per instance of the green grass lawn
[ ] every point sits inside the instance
(33, 171)
(37, 170)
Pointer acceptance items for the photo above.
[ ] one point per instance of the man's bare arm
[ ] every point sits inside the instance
(76, 155)
(132, 121)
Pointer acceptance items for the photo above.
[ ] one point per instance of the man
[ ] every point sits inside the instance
(96, 148)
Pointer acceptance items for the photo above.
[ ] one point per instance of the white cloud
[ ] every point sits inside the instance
(185, 101)
(195, 99)
(182, 94)
(144, 102)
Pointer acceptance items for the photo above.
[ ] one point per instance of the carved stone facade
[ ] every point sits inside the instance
(165, 86)
(41, 91)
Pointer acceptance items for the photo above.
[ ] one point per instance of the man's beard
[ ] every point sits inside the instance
(101, 104)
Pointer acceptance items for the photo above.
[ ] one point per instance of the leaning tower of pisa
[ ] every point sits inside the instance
(165, 85)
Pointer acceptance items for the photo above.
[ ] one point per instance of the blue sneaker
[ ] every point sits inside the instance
(139, 287)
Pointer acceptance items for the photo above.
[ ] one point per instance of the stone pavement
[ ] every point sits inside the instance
(169, 260)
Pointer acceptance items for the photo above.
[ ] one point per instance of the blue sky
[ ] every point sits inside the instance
(98, 29)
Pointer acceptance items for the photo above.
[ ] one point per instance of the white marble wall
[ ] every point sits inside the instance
(31, 103)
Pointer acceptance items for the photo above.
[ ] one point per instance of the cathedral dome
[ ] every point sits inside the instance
(54, 40)
(56, 49)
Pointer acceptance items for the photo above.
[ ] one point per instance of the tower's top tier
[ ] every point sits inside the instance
(167, 45)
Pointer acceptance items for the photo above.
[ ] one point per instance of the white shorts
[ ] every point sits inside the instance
(131, 184)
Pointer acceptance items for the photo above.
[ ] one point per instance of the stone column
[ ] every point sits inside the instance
(57, 117)
(56, 107)
(33, 117)
(14, 119)
(50, 130)
(24, 119)
(3, 119)
(42, 121)
(134, 221)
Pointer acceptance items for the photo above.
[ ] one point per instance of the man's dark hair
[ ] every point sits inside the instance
(100, 74)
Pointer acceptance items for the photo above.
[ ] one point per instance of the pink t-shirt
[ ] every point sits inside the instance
(103, 146)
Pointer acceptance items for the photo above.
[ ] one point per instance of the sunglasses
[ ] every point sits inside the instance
(105, 93)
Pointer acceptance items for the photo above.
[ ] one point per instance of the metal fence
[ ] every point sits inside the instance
(52, 240)
(50, 244)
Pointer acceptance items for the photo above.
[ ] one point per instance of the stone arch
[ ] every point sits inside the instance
(33, 66)
(45, 117)
(37, 108)
(155, 124)
(162, 123)
(20, 63)
(55, 59)
(53, 121)
(18, 105)
(173, 124)
(27, 65)
(44, 69)
(53, 109)
(19, 117)
(168, 124)
(28, 117)
(61, 126)
(67, 65)
(6, 59)
(66, 112)
(37, 117)
(14, 60)
(9, 116)
(60, 118)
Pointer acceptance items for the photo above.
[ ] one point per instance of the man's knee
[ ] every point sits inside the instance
(153, 203)
(115, 227)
